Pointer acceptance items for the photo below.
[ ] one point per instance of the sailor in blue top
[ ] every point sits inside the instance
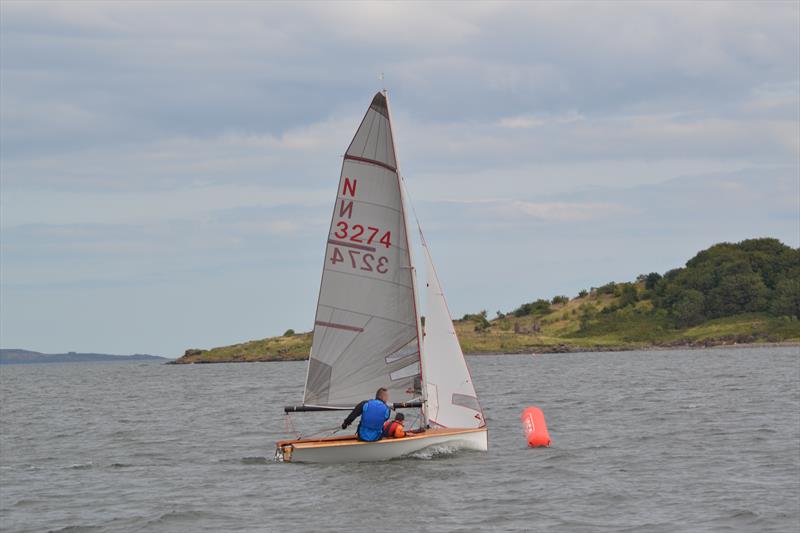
(373, 414)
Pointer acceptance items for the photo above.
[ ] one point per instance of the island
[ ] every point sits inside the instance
(728, 294)
(18, 357)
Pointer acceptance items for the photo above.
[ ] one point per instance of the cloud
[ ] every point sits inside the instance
(530, 121)
(230, 156)
(564, 211)
(168, 155)
(548, 212)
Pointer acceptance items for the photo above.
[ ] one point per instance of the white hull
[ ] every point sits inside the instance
(349, 450)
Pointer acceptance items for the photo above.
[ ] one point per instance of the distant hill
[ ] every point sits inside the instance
(14, 356)
(740, 293)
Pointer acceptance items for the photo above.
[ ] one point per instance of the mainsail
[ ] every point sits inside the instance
(366, 330)
(451, 398)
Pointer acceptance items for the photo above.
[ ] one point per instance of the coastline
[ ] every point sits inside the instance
(537, 350)
(644, 348)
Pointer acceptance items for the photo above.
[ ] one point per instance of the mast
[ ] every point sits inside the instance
(404, 203)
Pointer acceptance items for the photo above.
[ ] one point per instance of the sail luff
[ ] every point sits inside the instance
(403, 204)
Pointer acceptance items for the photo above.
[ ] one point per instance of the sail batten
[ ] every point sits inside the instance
(370, 162)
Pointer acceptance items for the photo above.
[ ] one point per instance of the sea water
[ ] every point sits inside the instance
(702, 440)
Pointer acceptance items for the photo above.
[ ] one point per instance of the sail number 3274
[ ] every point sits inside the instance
(357, 233)
(358, 260)
(366, 261)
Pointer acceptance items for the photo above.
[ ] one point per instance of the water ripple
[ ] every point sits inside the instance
(642, 442)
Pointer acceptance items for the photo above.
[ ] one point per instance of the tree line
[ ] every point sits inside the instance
(754, 275)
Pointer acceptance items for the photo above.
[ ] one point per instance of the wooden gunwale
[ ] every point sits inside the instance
(351, 440)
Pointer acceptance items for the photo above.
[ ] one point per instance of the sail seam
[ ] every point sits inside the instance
(356, 201)
(388, 134)
(377, 140)
(367, 277)
(369, 132)
(366, 315)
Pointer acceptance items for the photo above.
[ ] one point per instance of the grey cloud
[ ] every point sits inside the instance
(167, 155)
(143, 71)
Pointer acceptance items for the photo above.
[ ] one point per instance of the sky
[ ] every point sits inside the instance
(167, 169)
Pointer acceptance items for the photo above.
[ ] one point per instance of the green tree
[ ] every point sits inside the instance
(480, 327)
(737, 293)
(689, 309)
(786, 298)
(608, 288)
(288, 333)
(651, 280)
(629, 295)
(481, 322)
(539, 307)
(734, 278)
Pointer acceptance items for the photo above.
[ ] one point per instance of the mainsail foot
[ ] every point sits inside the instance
(315, 408)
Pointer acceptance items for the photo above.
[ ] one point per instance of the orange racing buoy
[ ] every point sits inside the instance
(535, 427)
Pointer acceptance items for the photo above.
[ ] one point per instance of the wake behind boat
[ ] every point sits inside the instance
(367, 332)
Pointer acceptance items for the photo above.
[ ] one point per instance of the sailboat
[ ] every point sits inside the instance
(368, 332)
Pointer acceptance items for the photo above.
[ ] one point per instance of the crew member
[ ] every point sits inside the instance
(373, 414)
(393, 429)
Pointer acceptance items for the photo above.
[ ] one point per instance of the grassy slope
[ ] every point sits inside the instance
(632, 328)
(560, 330)
(271, 349)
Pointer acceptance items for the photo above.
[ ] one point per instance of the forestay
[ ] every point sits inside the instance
(365, 330)
(451, 398)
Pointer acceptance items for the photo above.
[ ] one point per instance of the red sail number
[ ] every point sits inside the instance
(358, 231)
(366, 262)
(342, 225)
(337, 256)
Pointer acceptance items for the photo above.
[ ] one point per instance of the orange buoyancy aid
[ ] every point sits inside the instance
(393, 429)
